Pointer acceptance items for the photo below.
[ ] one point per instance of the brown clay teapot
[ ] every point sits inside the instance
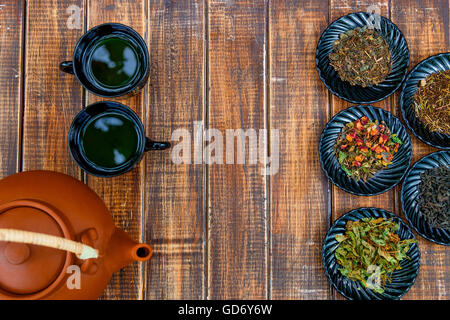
(53, 228)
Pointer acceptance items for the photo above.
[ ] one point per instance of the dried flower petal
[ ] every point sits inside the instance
(367, 149)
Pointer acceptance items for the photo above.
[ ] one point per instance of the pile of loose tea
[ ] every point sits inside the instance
(370, 251)
(434, 196)
(365, 147)
(432, 102)
(362, 57)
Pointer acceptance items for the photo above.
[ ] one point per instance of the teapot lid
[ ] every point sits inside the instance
(28, 270)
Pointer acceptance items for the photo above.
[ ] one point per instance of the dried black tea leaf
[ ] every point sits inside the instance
(434, 196)
(432, 102)
(361, 57)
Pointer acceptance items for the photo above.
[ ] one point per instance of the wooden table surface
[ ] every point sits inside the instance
(218, 231)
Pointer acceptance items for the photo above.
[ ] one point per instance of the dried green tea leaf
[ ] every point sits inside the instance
(361, 57)
(370, 251)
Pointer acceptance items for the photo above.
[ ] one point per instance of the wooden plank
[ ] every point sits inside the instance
(299, 193)
(11, 39)
(425, 25)
(343, 201)
(174, 193)
(52, 98)
(237, 249)
(123, 194)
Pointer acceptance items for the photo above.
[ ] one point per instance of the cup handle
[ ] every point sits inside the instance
(155, 145)
(66, 66)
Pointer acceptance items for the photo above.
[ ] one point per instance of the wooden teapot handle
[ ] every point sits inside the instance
(81, 250)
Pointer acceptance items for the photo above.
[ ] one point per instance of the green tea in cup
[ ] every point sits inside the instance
(110, 60)
(109, 140)
(113, 62)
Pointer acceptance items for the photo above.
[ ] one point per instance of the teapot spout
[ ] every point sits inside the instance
(122, 251)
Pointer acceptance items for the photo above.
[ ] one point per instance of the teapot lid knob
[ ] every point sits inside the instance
(29, 270)
(17, 253)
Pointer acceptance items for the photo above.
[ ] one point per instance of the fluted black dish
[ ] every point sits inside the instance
(356, 94)
(402, 280)
(433, 64)
(384, 179)
(410, 194)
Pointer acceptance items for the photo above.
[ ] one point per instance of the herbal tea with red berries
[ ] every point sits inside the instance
(364, 147)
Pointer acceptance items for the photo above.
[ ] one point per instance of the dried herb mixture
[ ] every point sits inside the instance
(432, 102)
(365, 147)
(370, 251)
(361, 57)
(434, 196)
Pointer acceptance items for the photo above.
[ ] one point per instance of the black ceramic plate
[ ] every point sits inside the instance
(409, 197)
(402, 279)
(440, 62)
(384, 179)
(356, 94)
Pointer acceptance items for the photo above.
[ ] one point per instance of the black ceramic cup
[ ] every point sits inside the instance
(103, 116)
(92, 43)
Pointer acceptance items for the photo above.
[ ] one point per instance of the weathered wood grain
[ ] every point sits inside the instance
(425, 25)
(219, 231)
(52, 98)
(174, 218)
(123, 195)
(299, 193)
(11, 79)
(342, 201)
(237, 251)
